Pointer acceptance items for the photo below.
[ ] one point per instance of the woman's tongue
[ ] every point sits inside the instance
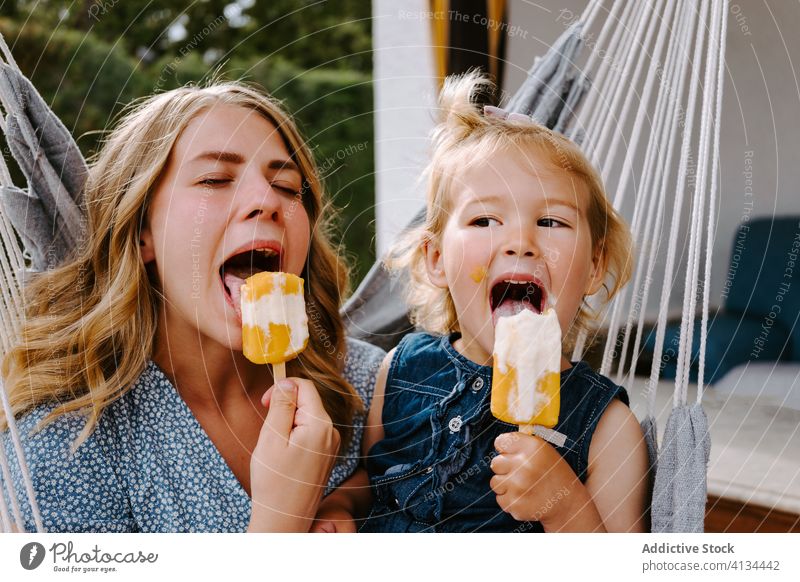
(234, 281)
(509, 307)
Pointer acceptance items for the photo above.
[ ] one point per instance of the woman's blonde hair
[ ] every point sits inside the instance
(90, 324)
(465, 136)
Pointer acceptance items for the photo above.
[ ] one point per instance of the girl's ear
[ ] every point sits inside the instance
(434, 263)
(146, 248)
(599, 266)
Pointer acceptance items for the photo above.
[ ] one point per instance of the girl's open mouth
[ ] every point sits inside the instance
(509, 297)
(239, 267)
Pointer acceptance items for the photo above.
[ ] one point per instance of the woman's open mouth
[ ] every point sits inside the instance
(240, 266)
(509, 297)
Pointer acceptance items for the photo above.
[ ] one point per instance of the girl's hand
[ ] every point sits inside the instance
(333, 518)
(534, 483)
(293, 458)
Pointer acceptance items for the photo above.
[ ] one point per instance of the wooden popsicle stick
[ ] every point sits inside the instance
(526, 428)
(278, 372)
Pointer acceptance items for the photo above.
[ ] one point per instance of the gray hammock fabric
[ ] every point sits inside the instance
(679, 496)
(48, 215)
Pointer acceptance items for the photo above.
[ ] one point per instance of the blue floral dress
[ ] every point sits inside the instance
(149, 466)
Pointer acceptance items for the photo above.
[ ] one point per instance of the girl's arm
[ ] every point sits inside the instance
(618, 477)
(348, 502)
(352, 499)
(533, 482)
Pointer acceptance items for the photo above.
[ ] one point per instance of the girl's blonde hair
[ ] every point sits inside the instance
(465, 136)
(90, 324)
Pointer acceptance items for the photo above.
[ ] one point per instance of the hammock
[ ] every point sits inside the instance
(658, 106)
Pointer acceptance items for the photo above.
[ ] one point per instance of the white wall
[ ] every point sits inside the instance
(405, 93)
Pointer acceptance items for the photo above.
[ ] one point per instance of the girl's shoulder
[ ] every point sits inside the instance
(582, 379)
(424, 348)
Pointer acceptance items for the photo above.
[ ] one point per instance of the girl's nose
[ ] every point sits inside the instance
(521, 245)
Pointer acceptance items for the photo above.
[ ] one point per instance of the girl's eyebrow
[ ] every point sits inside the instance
(562, 202)
(489, 198)
(484, 199)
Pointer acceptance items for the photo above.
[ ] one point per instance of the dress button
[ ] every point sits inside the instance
(477, 384)
(455, 424)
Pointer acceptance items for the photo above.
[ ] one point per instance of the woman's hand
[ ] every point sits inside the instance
(293, 459)
(534, 483)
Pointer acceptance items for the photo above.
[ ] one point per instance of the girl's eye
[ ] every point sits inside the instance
(550, 223)
(484, 221)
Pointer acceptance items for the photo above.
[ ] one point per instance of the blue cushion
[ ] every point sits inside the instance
(732, 340)
(764, 273)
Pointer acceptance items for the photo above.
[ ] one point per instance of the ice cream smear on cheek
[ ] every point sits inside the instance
(479, 274)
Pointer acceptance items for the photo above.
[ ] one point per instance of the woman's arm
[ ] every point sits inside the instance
(293, 459)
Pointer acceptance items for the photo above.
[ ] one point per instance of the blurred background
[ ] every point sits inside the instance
(90, 58)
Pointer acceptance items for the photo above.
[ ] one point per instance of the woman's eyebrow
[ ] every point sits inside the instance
(289, 165)
(220, 156)
(236, 158)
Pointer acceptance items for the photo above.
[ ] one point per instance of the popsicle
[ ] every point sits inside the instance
(526, 374)
(274, 320)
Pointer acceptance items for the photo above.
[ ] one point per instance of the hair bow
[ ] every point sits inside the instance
(497, 112)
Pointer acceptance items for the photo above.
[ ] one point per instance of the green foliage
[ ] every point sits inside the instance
(84, 80)
(308, 33)
(88, 68)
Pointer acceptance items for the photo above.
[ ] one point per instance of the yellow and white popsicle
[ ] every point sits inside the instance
(274, 320)
(526, 375)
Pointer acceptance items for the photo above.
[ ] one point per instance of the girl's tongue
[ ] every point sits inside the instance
(511, 297)
(511, 307)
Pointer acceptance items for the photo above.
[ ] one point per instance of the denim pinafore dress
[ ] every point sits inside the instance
(431, 471)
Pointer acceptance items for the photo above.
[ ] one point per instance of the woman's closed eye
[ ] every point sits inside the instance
(286, 188)
(484, 221)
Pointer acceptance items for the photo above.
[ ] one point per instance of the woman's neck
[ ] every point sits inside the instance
(204, 371)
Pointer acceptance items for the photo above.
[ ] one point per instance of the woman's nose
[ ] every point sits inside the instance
(261, 200)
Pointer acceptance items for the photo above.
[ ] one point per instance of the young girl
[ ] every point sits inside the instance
(131, 359)
(516, 218)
